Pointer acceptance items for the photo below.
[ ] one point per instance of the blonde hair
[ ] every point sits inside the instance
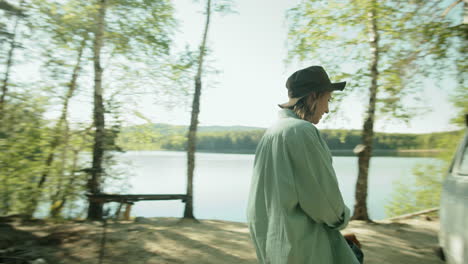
(305, 108)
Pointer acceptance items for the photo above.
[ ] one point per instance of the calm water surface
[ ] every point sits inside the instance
(222, 181)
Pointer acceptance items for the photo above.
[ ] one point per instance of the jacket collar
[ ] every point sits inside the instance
(284, 113)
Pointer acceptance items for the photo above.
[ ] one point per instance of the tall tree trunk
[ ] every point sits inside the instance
(192, 134)
(62, 195)
(95, 208)
(63, 117)
(360, 208)
(58, 132)
(9, 64)
(61, 172)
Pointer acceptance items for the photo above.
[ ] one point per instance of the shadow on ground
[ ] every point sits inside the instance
(172, 241)
(411, 242)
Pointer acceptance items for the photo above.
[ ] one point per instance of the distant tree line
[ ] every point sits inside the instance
(246, 141)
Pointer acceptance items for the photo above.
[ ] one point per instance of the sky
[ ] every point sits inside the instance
(249, 49)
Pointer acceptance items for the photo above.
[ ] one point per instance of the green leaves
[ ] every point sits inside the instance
(415, 42)
(23, 137)
(137, 37)
(140, 28)
(425, 193)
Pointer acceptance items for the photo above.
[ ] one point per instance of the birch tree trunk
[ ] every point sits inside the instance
(188, 213)
(58, 135)
(61, 173)
(360, 208)
(58, 128)
(9, 64)
(62, 195)
(95, 208)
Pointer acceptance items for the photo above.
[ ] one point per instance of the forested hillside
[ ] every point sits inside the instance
(238, 139)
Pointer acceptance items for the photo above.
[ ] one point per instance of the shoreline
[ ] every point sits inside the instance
(344, 152)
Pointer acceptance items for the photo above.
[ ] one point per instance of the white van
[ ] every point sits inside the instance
(453, 235)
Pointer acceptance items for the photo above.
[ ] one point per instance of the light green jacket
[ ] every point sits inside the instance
(295, 209)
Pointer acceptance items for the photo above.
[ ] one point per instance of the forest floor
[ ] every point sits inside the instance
(171, 241)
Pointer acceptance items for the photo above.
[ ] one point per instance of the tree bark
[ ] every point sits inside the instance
(95, 208)
(360, 208)
(58, 128)
(9, 64)
(61, 172)
(63, 194)
(191, 143)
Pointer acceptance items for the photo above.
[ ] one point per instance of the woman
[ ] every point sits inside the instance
(295, 208)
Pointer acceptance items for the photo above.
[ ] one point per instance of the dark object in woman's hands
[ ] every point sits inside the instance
(352, 237)
(355, 246)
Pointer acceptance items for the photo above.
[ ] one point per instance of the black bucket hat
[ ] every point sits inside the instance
(308, 80)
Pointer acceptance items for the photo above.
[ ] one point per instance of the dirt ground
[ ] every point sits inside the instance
(171, 241)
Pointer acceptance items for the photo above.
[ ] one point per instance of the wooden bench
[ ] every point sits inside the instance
(130, 199)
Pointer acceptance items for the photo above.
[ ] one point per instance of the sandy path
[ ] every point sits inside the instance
(406, 242)
(171, 241)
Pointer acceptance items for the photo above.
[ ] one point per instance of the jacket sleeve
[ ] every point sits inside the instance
(315, 181)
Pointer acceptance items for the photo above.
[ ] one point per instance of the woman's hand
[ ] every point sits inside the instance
(352, 237)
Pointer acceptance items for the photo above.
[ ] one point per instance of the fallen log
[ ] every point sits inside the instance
(405, 216)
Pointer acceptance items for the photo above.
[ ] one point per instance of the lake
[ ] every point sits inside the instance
(222, 181)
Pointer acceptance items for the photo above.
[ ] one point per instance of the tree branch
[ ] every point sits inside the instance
(450, 7)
